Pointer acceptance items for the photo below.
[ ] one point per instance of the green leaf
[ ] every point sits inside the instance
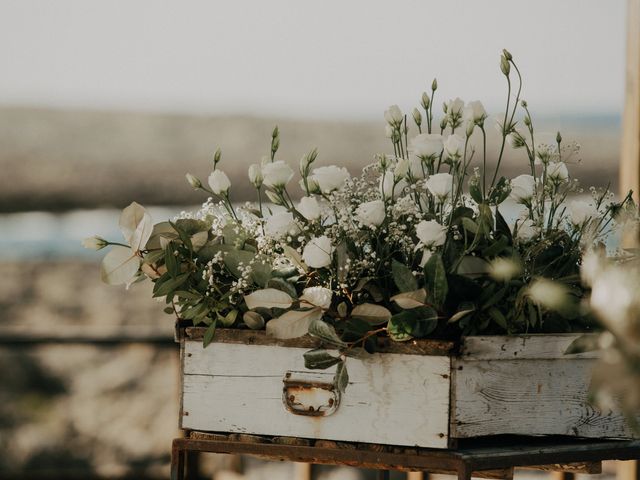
(465, 308)
(184, 236)
(403, 277)
(319, 359)
(261, 272)
(191, 226)
(341, 379)
(167, 285)
(418, 322)
(253, 320)
(408, 300)
(503, 227)
(436, 280)
(469, 225)
(474, 191)
(234, 258)
(498, 317)
(398, 328)
(325, 332)
(268, 298)
(229, 319)
(154, 257)
(168, 310)
(209, 333)
(371, 313)
(194, 312)
(171, 261)
(184, 295)
(283, 285)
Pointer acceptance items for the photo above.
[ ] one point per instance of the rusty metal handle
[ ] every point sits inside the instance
(310, 398)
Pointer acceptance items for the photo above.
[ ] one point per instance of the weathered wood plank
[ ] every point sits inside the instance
(529, 397)
(515, 347)
(391, 399)
(259, 337)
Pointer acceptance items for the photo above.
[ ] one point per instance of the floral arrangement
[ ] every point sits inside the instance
(415, 246)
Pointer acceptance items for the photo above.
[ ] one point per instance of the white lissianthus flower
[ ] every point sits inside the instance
(329, 178)
(426, 145)
(581, 211)
(522, 188)
(526, 230)
(309, 208)
(431, 233)
(318, 253)
(557, 171)
(371, 214)
(455, 106)
(393, 115)
(94, 243)
(280, 225)
(440, 185)
(391, 188)
(219, 182)
(317, 297)
(255, 175)
(474, 112)
(454, 146)
(276, 174)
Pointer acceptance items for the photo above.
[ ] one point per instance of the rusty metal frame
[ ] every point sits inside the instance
(486, 458)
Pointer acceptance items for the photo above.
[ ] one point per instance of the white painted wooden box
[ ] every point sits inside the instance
(424, 393)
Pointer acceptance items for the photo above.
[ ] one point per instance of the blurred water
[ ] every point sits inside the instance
(44, 235)
(54, 236)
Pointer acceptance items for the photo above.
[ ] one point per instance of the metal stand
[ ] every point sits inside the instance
(485, 458)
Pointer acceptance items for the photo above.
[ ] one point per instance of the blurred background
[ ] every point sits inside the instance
(102, 103)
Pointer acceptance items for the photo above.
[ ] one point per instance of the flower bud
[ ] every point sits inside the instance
(219, 182)
(425, 101)
(275, 133)
(217, 156)
(504, 65)
(470, 126)
(255, 175)
(527, 120)
(558, 138)
(443, 123)
(94, 243)
(434, 85)
(444, 107)
(273, 197)
(506, 54)
(388, 131)
(393, 115)
(417, 117)
(523, 103)
(275, 144)
(193, 181)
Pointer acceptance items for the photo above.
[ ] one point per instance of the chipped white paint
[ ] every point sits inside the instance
(526, 385)
(522, 385)
(393, 399)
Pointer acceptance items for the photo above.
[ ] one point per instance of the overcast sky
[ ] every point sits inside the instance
(329, 59)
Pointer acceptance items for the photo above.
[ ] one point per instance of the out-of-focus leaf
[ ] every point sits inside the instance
(341, 379)
(325, 332)
(371, 313)
(136, 226)
(319, 359)
(268, 298)
(120, 266)
(293, 324)
(414, 299)
(435, 278)
(403, 277)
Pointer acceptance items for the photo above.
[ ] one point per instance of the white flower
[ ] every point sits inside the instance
(522, 188)
(557, 171)
(280, 225)
(371, 214)
(526, 230)
(393, 115)
(426, 144)
(548, 293)
(388, 131)
(454, 146)
(94, 243)
(389, 187)
(426, 255)
(474, 112)
(415, 167)
(401, 169)
(219, 182)
(431, 233)
(255, 175)
(581, 211)
(193, 181)
(330, 178)
(309, 208)
(276, 174)
(454, 107)
(317, 297)
(318, 252)
(440, 185)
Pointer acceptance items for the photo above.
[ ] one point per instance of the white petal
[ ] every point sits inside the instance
(119, 266)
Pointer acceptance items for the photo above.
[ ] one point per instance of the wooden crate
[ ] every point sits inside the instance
(425, 393)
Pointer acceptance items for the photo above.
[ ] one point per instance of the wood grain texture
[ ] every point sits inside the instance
(529, 397)
(392, 399)
(523, 347)
(423, 346)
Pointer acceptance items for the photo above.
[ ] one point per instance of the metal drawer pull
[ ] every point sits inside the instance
(309, 397)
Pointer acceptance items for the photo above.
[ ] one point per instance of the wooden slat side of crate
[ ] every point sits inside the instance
(526, 385)
(237, 385)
